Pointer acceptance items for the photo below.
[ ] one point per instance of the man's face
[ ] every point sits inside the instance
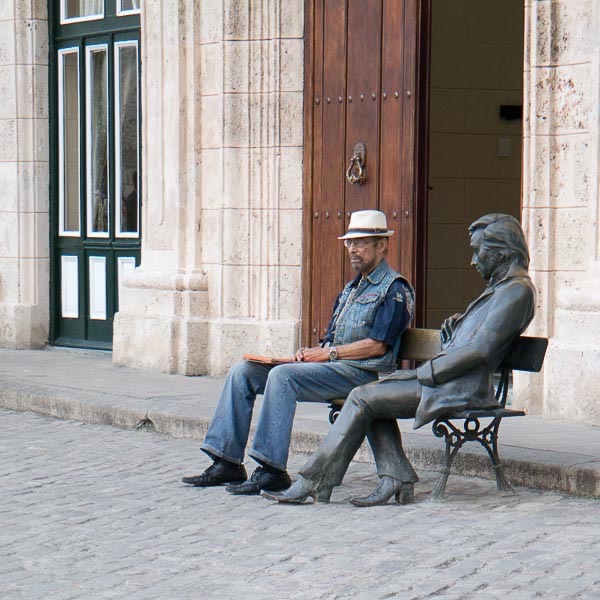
(486, 261)
(365, 253)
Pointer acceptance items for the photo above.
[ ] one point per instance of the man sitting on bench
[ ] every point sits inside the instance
(362, 340)
(458, 378)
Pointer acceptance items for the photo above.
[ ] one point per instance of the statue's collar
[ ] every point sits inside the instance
(515, 270)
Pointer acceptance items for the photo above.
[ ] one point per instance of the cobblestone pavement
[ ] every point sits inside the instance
(93, 512)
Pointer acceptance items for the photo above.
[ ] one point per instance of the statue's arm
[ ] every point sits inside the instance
(508, 314)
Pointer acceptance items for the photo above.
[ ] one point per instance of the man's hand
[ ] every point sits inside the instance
(360, 350)
(316, 354)
(448, 327)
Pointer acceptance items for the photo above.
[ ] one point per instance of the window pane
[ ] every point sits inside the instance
(97, 280)
(127, 138)
(69, 291)
(81, 9)
(69, 142)
(127, 5)
(97, 141)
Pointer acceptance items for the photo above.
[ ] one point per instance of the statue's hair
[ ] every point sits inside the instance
(504, 234)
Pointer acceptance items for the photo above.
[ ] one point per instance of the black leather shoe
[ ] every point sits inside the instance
(263, 478)
(221, 472)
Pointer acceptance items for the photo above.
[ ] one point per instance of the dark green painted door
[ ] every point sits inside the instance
(95, 165)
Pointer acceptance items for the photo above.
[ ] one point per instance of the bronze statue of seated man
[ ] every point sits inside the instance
(459, 377)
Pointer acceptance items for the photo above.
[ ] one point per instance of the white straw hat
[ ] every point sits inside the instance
(367, 223)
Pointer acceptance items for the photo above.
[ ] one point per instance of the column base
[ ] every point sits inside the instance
(570, 379)
(164, 325)
(161, 324)
(23, 327)
(232, 338)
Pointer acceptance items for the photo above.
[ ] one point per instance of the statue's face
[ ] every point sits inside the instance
(486, 261)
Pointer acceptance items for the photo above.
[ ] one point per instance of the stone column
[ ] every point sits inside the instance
(24, 233)
(252, 212)
(222, 151)
(560, 204)
(162, 323)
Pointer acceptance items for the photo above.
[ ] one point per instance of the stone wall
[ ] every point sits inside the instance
(222, 88)
(222, 207)
(560, 203)
(24, 264)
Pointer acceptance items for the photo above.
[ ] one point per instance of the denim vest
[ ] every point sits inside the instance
(355, 315)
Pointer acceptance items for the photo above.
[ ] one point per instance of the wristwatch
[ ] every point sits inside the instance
(333, 353)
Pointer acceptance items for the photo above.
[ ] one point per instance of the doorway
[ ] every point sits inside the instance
(95, 165)
(434, 91)
(475, 138)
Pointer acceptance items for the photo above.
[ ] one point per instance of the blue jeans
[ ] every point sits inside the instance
(282, 386)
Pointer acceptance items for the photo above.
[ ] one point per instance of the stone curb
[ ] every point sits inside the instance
(530, 468)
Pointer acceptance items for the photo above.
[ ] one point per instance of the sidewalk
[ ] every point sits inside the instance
(83, 385)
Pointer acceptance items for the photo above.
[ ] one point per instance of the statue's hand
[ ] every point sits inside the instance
(448, 327)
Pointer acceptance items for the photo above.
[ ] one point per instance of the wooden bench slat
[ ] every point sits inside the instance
(419, 344)
(526, 354)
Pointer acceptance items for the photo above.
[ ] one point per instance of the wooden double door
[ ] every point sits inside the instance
(365, 143)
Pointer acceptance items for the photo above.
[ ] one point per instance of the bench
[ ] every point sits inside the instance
(459, 427)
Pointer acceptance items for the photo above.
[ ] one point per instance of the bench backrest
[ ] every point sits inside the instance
(524, 354)
(419, 344)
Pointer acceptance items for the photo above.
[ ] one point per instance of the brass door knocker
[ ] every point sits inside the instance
(355, 172)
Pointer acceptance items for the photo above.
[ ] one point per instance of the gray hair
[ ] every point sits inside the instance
(504, 234)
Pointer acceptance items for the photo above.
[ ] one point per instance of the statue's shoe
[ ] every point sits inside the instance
(388, 487)
(298, 493)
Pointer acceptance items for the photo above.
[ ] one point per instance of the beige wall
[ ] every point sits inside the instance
(477, 65)
(23, 174)
(561, 203)
(222, 151)
(220, 276)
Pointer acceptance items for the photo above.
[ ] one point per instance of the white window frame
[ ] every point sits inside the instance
(124, 13)
(118, 198)
(61, 144)
(97, 290)
(69, 269)
(68, 20)
(88, 150)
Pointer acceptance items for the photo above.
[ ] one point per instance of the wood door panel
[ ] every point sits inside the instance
(409, 155)
(363, 104)
(375, 48)
(391, 171)
(362, 123)
(328, 207)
